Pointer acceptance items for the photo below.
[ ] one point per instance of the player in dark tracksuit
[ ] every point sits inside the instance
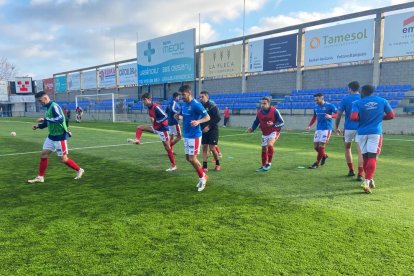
(210, 130)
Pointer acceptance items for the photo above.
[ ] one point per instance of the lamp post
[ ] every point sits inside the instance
(244, 51)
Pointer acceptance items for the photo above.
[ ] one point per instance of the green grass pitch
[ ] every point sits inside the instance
(127, 216)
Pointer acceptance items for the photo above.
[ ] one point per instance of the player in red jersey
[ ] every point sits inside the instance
(270, 121)
(159, 126)
(226, 116)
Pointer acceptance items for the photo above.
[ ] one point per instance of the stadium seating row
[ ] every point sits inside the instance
(338, 97)
(379, 88)
(240, 95)
(310, 105)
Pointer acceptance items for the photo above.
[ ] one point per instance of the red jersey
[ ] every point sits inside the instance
(160, 118)
(272, 115)
(227, 113)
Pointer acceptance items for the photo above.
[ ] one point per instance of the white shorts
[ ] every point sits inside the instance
(349, 135)
(266, 138)
(175, 130)
(322, 136)
(61, 147)
(370, 143)
(163, 135)
(192, 145)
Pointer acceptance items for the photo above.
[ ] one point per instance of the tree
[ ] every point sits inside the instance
(7, 70)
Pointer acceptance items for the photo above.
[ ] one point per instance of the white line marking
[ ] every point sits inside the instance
(152, 142)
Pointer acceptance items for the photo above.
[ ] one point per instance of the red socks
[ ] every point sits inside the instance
(72, 164)
(42, 166)
(370, 168)
(171, 156)
(138, 134)
(270, 152)
(360, 170)
(44, 161)
(264, 158)
(321, 154)
(351, 166)
(200, 172)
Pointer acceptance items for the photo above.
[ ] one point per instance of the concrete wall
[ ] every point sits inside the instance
(337, 76)
(401, 72)
(226, 85)
(276, 83)
(280, 83)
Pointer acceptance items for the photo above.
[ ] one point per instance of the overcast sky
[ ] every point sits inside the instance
(43, 37)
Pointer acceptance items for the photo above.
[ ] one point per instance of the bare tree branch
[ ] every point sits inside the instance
(8, 70)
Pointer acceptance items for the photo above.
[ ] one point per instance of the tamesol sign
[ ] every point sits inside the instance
(399, 35)
(338, 44)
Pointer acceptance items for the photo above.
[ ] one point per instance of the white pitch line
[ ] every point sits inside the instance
(82, 148)
(152, 142)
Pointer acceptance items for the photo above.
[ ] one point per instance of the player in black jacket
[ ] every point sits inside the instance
(210, 130)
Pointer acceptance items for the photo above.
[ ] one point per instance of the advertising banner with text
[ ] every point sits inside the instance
(107, 77)
(74, 81)
(89, 80)
(273, 54)
(4, 94)
(49, 85)
(341, 43)
(399, 35)
(128, 74)
(60, 84)
(166, 59)
(39, 85)
(224, 61)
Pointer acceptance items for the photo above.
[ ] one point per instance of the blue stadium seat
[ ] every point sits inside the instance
(379, 88)
(395, 103)
(392, 96)
(400, 95)
(382, 94)
(388, 88)
(396, 88)
(406, 87)
(309, 105)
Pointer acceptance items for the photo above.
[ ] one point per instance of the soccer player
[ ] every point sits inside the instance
(370, 111)
(54, 120)
(159, 126)
(349, 128)
(193, 114)
(175, 129)
(210, 131)
(79, 113)
(323, 112)
(226, 116)
(270, 121)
